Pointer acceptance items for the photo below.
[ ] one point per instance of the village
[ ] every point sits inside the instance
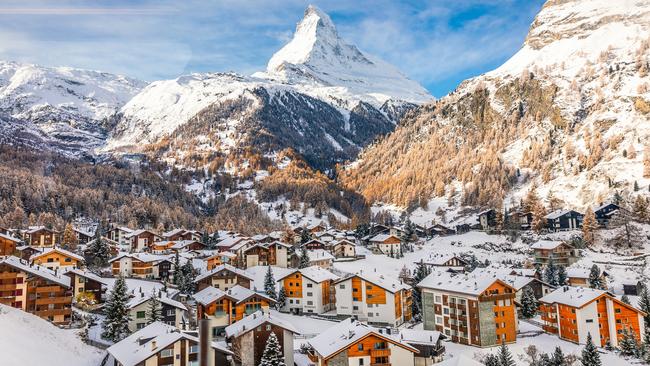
(401, 294)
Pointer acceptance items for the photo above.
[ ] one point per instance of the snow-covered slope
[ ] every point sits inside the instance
(322, 63)
(316, 88)
(26, 339)
(568, 112)
(69, 105)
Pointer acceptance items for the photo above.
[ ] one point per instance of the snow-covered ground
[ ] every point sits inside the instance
(26, 339)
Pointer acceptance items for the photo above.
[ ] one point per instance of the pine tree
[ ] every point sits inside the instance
(594, 277)
(505, 357)
(409, 230)
(186, 282)
(628, 344)
(269, 284)
(421, 272)
(98, 251)
(177, 269)
(625, 299)
(590, 356)
(154, 313)
(116, 321)
(561, 276)
(272, 355)
(550, 273)
(69, 238)
(491, 360)
(589, 227)
(304, 236)
(304, 258)
(529, 304)
(557, 359)
(282, 299)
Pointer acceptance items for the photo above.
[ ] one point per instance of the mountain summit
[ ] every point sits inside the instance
(317, 57)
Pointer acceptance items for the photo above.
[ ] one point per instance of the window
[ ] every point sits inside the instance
(617, 310)
(268, 327)
(589, 320)
(50, 260)
(140, 315)
(171, 312)
(310, 303)
(309, 285)
(194, 348)
(361, 362)
(140, 325)
(342, 287)
(68, 260)
(370, 315)
(355, 308)
(310, 294)
(360, 347)
(438, 320)
(438, 299)
(167, 353)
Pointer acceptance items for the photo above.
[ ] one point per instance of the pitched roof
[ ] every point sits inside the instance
(224, 267)
(138, 347)
(547, 244)
(142, 257)
(255, 320)
(318, 255)
(209, 295)
(439, 259)
(173, 232)
(382, 237)
(473, 283)
(340, 336)
(87, 274)
(242, 294)
(58, 250)
(559, 213)
(388, 283)
(314, 273)
(36, 270)
(420, 336)
(572, 296)
(5, 236)
(137, 300)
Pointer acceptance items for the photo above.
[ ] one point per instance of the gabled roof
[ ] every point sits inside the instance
(83, 232)
(440, 259)
(389, 284)
(209, 295)
(58, 250)
(35, 229)
(548, 244)
(578, 297)
(224, 267)
(241, 294)
(318, 255)
(180, 244)
(581, 272)
(420, 336)
(142, 257)
(138, 347)
(474, 283)
(137, 300)
(314, 273)
(36, 270)
(140, 231)
(346, 333)
(173, 232)
(87, 274)
(380, 238)
(5, 236)
(559, 213)
(255, 320)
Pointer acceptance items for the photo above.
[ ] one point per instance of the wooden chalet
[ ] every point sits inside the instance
(562, 220)
(86, 282)
(8, 244)
(224, 277)
(40, 236)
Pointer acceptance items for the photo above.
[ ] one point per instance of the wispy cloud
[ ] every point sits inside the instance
(437, 42)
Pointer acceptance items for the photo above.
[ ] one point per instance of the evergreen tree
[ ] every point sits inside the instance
(505, 357)
(186, 283)
(561, 276)
(590, 356)
(550, 273)
(589, 227)
(491, 360)
(98, 251)
(116, 321)
(272, 355)
(269, 284)
(154, 313)
(529, 304)
(304, 258)
(557, 359)
(177, 269)
(594, 277)
(421, 271)
(304, 236)
(625, 299)
(282, 299)
(628, 343)
(409, 230)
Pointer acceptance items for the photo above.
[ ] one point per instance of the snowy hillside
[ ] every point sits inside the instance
(69, 105)
(26, 339)
(568, 112)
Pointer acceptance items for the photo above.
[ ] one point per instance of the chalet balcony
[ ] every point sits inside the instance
(54, 300)
(9, 287)
(382, 352)
(48, 289)
(8, 275)
(54, 312)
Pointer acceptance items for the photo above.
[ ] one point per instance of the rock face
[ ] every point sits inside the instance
(568, 112)
(319, 96)
(69, 107)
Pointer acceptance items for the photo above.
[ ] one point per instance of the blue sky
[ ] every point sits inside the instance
(438, 43)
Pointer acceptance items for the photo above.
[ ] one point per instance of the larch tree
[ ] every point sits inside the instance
(69, 238)
(589, 227)
(640, 208)
(539, 218)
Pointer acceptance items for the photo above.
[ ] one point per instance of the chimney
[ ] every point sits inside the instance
(153, 345)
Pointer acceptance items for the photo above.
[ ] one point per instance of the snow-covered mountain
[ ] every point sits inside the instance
(317, 89)
(69, 106)
(568, 112)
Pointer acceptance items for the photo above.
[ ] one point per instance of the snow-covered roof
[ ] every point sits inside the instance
(58, 250)
(547, 244)
(230, 241)
(241, 294)
(138, 232)
(139, 346)
(34, 229)
(380, 238)
(88, 275)
(142, 257)
(349, 331)
(558, 213)
(36, 270)
(572, 296)
(5, 236)
(180, 244)
(173, 232)
(419, 336)
(314, 273)
(255, 320)
(225, 267)
(578, 272)
(139, 298)
(440, 259)
(209, 295)
(83, 232)
(465, 283)
(460, 360)
(388, 283)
